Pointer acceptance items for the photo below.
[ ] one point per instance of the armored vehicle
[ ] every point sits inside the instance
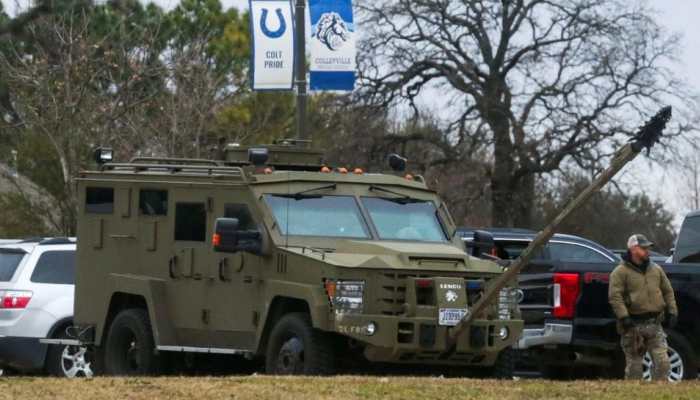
(273, 255)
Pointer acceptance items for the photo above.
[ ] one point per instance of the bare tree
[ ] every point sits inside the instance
(356, 135)
(541, 82)
(123, 74)
(204, 67)
(74, 89)
(38, 214)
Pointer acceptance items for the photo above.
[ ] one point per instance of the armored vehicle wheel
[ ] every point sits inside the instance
(296, 348)
(129, 349)
(557, 372)
(505, 365)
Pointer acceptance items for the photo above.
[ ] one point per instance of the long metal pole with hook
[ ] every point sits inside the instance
(648, 134)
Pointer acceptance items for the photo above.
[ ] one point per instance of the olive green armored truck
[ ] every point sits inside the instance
(273, 255)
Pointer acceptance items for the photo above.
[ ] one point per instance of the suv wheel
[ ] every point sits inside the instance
(129, 348)
(681, 357)
(69, 361)
(296, 348)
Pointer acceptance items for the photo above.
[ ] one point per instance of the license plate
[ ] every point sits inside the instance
(451, 316)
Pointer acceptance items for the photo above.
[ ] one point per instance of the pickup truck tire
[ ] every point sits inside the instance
(679, 344)
(129, 348)
(296, 348)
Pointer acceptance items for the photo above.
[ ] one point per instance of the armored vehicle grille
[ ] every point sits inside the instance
(392, 289)
(393, 293)
(507, 302)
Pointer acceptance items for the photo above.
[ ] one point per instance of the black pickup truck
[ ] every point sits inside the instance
(569, 325)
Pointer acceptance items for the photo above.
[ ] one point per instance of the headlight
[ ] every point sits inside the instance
(371, 328)
(346, 296)
(503, 333)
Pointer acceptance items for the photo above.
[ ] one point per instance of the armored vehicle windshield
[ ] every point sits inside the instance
(405, 219)
(335, 206)
(341, 217)
(334, 216)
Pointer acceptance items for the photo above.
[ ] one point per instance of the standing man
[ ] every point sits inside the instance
(641, 297)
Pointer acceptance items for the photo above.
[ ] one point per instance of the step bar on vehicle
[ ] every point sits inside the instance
(208, 350)
(552, 333)
(67, 342)
(180, 349)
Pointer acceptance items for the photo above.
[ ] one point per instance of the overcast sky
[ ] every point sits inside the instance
(679, 16)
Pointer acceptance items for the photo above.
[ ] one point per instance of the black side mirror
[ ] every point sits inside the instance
(483, 243)
(226, 235)
(228, 238)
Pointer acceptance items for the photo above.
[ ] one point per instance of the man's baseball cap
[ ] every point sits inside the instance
(638, 240)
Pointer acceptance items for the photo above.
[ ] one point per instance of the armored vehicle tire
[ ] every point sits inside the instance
(557, 372)
(129, 347)
(69, 361)
(296, 348)
(505, 365)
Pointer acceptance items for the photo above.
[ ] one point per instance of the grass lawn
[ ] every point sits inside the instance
(350, 387)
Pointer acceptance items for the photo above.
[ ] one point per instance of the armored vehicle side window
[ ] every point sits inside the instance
(55, 267)
(153, 202)
(99, 200)
(242, 214)
(190, 222)
(325, 216)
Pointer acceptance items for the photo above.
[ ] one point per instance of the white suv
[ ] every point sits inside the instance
(36, 302)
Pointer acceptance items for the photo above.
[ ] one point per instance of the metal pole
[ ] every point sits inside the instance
(648, 134)
(300, 18)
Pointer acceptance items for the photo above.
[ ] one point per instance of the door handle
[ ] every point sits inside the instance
(122, 236)
(223, 265)
(171, 267)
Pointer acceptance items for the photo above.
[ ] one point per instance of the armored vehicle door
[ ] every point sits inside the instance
(187, 263)
(233, 294)
(112, 226)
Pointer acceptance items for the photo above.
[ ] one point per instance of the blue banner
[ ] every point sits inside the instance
(332, 45)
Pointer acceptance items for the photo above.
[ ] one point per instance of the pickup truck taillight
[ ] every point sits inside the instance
(566, 291)
(14, 299)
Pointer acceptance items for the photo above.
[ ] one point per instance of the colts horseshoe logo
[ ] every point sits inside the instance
(263, 24)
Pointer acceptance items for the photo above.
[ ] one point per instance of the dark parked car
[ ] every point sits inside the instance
(687, 248)
(654, 255)
(569, 325)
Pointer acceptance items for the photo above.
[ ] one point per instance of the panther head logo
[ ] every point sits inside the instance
(332, 31)
(451, 296)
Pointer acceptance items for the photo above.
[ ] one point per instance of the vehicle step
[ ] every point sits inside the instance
(68, 342)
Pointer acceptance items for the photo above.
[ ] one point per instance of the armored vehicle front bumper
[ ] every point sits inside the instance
(423, 340)
(398, 317)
